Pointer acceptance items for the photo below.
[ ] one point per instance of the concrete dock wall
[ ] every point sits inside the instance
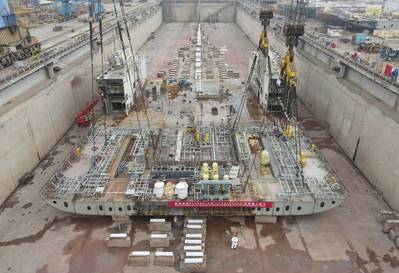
(33, 126)
(187, 11)
(354, 115)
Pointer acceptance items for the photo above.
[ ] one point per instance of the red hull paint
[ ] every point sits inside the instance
(219, 204)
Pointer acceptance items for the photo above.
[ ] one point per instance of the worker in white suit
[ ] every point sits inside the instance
(234, 242)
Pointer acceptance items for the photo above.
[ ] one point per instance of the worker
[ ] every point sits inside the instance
(394, 74)
(77, 152)
(234, 242)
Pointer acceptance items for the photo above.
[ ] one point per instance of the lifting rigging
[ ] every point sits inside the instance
(135, 67)
(294, 27)
(265, 15)
(86, 114)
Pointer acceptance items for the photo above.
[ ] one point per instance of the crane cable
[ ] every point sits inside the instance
(135, 65)
(245, 94)
(100, 23)
(295, 16)
(127, 68)
(254, 62)
(92, 85)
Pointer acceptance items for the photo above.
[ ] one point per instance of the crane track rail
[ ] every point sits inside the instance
(70, 44)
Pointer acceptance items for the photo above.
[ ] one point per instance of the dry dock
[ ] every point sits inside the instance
(37, 238)
(352, 117)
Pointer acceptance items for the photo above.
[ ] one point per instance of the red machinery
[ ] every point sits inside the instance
(82, 118)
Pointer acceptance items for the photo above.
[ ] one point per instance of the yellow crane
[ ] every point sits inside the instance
(265, 15)
(294, 27)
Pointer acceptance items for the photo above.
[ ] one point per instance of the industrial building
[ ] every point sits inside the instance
(197, 136)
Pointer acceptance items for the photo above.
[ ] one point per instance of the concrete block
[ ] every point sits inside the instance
(192, 248)
(193, 229)
(389, 224)
(161, 73)
(139, 258)
(159, 240)
(121, 219)
(164, 258)
(393, 234)
(195, 221)
(193, 236)
(193, 241)
(265, 219)
(191, 254)
(387, 215)
(159, 225)
(118, 240)
(193, 265)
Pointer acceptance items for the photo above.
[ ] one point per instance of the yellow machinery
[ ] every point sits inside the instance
(289, 131)
(264, 43)
(164, 85)
(265, 16)
(294, 27)
(197, 136)
(288, 69)
(206, 137)
(174, 90)
(303, 158)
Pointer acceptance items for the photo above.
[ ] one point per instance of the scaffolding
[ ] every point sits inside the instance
(180, 153)
(139, 188)
(177, 145)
